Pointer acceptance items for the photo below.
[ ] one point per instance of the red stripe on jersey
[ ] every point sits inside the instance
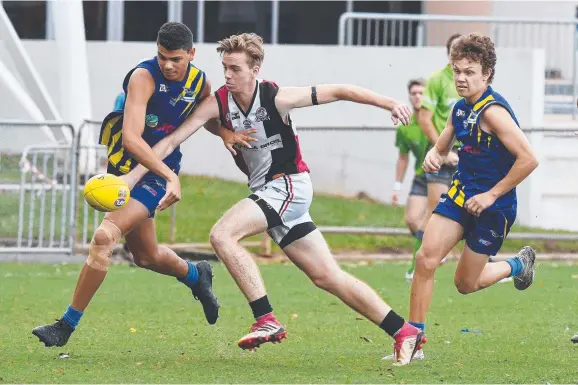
(222, 95)
(301, 165)
(270, 82)
(290, 197)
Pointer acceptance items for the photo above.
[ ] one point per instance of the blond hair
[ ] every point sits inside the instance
(250, 43)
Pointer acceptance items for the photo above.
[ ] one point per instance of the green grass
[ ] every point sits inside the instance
(204, 200)
(525, 336)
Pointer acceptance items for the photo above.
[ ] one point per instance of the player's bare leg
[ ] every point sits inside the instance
(92, 274)
(474, 272)
(312, 255)
(148, 254)
(441, 235)
(243, 220)
(415, 215)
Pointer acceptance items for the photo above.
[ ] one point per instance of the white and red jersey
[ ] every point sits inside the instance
(276, 152)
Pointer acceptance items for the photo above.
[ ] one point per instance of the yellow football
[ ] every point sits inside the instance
(106, 192)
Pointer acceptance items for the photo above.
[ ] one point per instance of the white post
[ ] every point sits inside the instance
(30, 77)
(73, 76)
(115, 20)
(19, 93)
(175, 10)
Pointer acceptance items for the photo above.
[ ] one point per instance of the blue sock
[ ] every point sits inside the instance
(72, 316)
(419, 235)
(516, 265)
(192, 276)
(419, 326)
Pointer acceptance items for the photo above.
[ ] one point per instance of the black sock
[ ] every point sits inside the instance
(261, 307)
(392, 323)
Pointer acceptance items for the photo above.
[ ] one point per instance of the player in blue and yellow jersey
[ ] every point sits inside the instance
(480, 205)
(160, 94)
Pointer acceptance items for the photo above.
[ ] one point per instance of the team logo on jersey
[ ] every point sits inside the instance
(261, 114)
(163, 88)
(460, 113)
(247, 124)
(151, 120)
(189, 96)
(232, 116)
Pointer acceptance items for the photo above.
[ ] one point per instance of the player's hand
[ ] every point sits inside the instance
(400, 113)
(173, 193)
(242, 138)
(478, 203)
(433, 161)
(395, 198)
(451, 159)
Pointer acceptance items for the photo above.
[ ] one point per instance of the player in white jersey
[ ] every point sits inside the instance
(281, 190)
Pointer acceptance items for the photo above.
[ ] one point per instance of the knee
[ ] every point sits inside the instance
(464, 287)
(104, 239)
(220, 237)
(426, 260)
(328, 279)
(410, 221)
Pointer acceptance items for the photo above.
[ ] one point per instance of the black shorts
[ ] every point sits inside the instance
(418, 186)
(443, 176)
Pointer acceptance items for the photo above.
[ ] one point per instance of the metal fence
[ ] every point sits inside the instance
(37, 187)
(557, 37)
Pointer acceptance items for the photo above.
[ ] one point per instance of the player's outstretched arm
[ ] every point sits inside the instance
(297, 97)
(141, 87)
(499, 122)
(207, 110)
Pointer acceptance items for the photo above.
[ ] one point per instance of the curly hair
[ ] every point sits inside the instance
(477, 48)
(250, 43)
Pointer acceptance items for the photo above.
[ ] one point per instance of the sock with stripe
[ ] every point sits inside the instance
(72, 316)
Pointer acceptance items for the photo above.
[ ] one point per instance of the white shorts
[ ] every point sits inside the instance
(285, 202)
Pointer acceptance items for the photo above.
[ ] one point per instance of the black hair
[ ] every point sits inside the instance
(174, 36)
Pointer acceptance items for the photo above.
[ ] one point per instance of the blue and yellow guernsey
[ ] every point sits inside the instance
(171, 103)
(483, 159)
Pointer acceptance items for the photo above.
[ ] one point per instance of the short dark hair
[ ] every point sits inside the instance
(451, 40)
(174, 36)
(415, 82)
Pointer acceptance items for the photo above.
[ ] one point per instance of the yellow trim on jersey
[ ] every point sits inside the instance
(482, 103)
(197, 90)
(107, 130)
(456, 194)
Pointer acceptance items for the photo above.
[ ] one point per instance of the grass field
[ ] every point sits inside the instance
(145, 328)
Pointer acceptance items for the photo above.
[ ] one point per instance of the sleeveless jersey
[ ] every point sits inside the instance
(171, 103)
(276, 151)
(483, 159)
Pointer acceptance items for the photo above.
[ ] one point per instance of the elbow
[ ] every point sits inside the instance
(534, 163)
(129, 143)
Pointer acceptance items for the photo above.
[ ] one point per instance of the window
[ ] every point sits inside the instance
(142, 19)
(28, 18)
(95, 19)
(309, 22)
(225, 18)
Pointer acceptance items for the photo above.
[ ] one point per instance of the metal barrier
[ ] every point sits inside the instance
(37, 187)
(557, 37)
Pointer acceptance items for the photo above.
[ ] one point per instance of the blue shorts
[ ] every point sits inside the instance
(149, 190)
(484, 234)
